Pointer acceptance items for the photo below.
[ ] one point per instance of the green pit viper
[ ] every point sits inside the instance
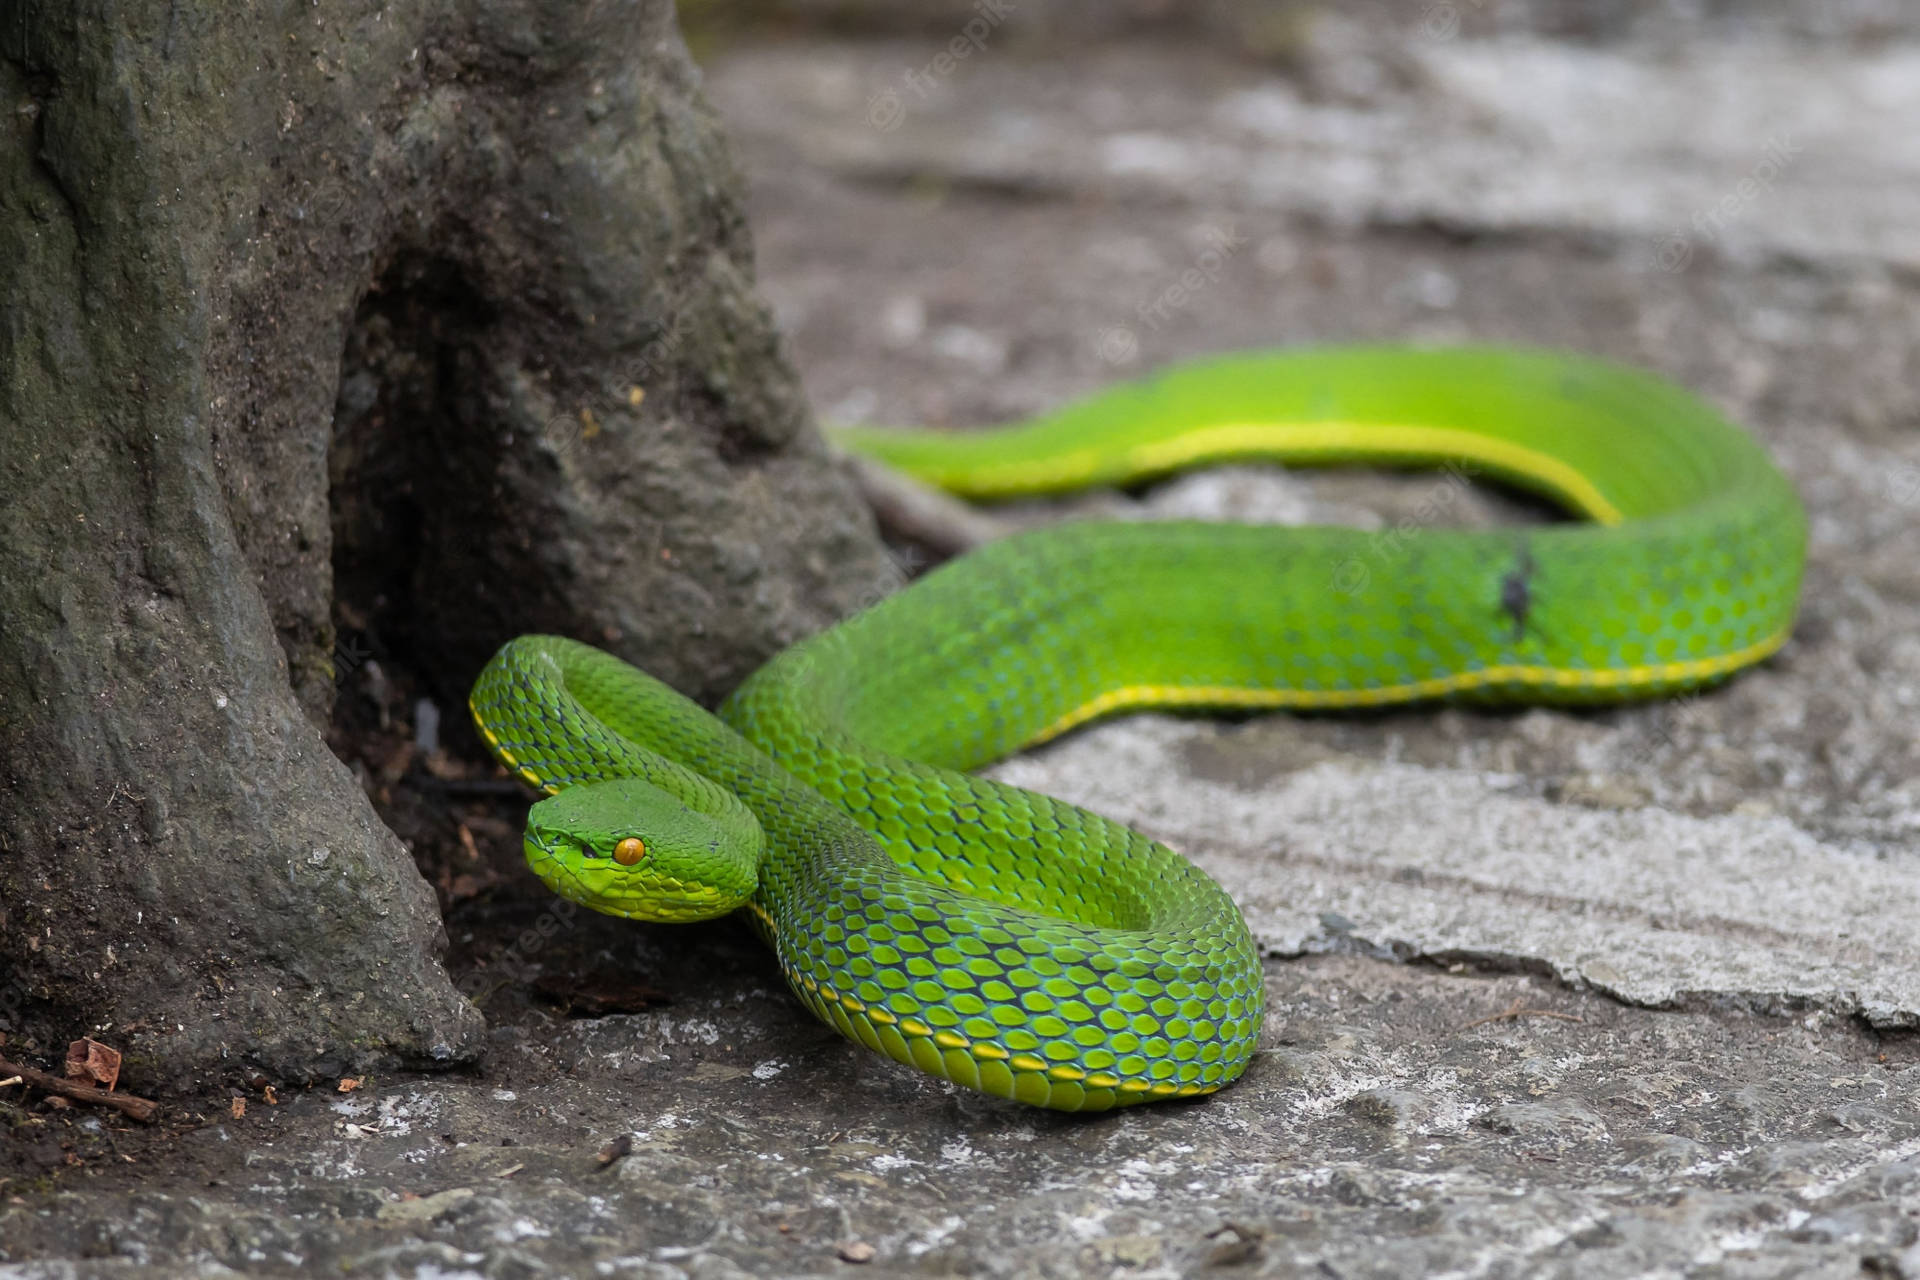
(1022, 946)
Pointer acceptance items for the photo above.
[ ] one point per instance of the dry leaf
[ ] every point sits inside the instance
(239, 1108)
(95, 1063)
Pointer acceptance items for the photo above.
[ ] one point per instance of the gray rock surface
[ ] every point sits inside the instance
(1399, 1121)
(1597, 887)
(1657, 1020)
(1786, 151)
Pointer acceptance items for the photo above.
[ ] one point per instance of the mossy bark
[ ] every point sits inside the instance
(445, 305)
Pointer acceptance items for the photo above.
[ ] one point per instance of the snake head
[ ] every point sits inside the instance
(628, 848)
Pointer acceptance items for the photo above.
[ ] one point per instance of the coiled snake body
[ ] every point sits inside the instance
(1017, 944)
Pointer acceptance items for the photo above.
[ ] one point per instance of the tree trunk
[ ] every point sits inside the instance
(432, 314)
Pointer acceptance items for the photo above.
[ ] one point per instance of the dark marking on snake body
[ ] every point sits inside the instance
(1516, 592)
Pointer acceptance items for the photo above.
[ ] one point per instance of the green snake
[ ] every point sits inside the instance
(1018, 945)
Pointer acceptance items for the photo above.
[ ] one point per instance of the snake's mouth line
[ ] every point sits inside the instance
(670, 900)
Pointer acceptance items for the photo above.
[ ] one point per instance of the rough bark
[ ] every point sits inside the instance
(440, 307)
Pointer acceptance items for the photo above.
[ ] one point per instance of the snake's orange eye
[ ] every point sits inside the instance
(629, 851)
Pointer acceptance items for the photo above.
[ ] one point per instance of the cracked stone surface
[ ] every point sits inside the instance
(1627, 993)
(1414, 861)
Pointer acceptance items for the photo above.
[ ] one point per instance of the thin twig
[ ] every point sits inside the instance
(920, 513)
(138, 1108)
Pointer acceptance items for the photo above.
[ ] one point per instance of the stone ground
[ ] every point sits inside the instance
(1622, 994)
